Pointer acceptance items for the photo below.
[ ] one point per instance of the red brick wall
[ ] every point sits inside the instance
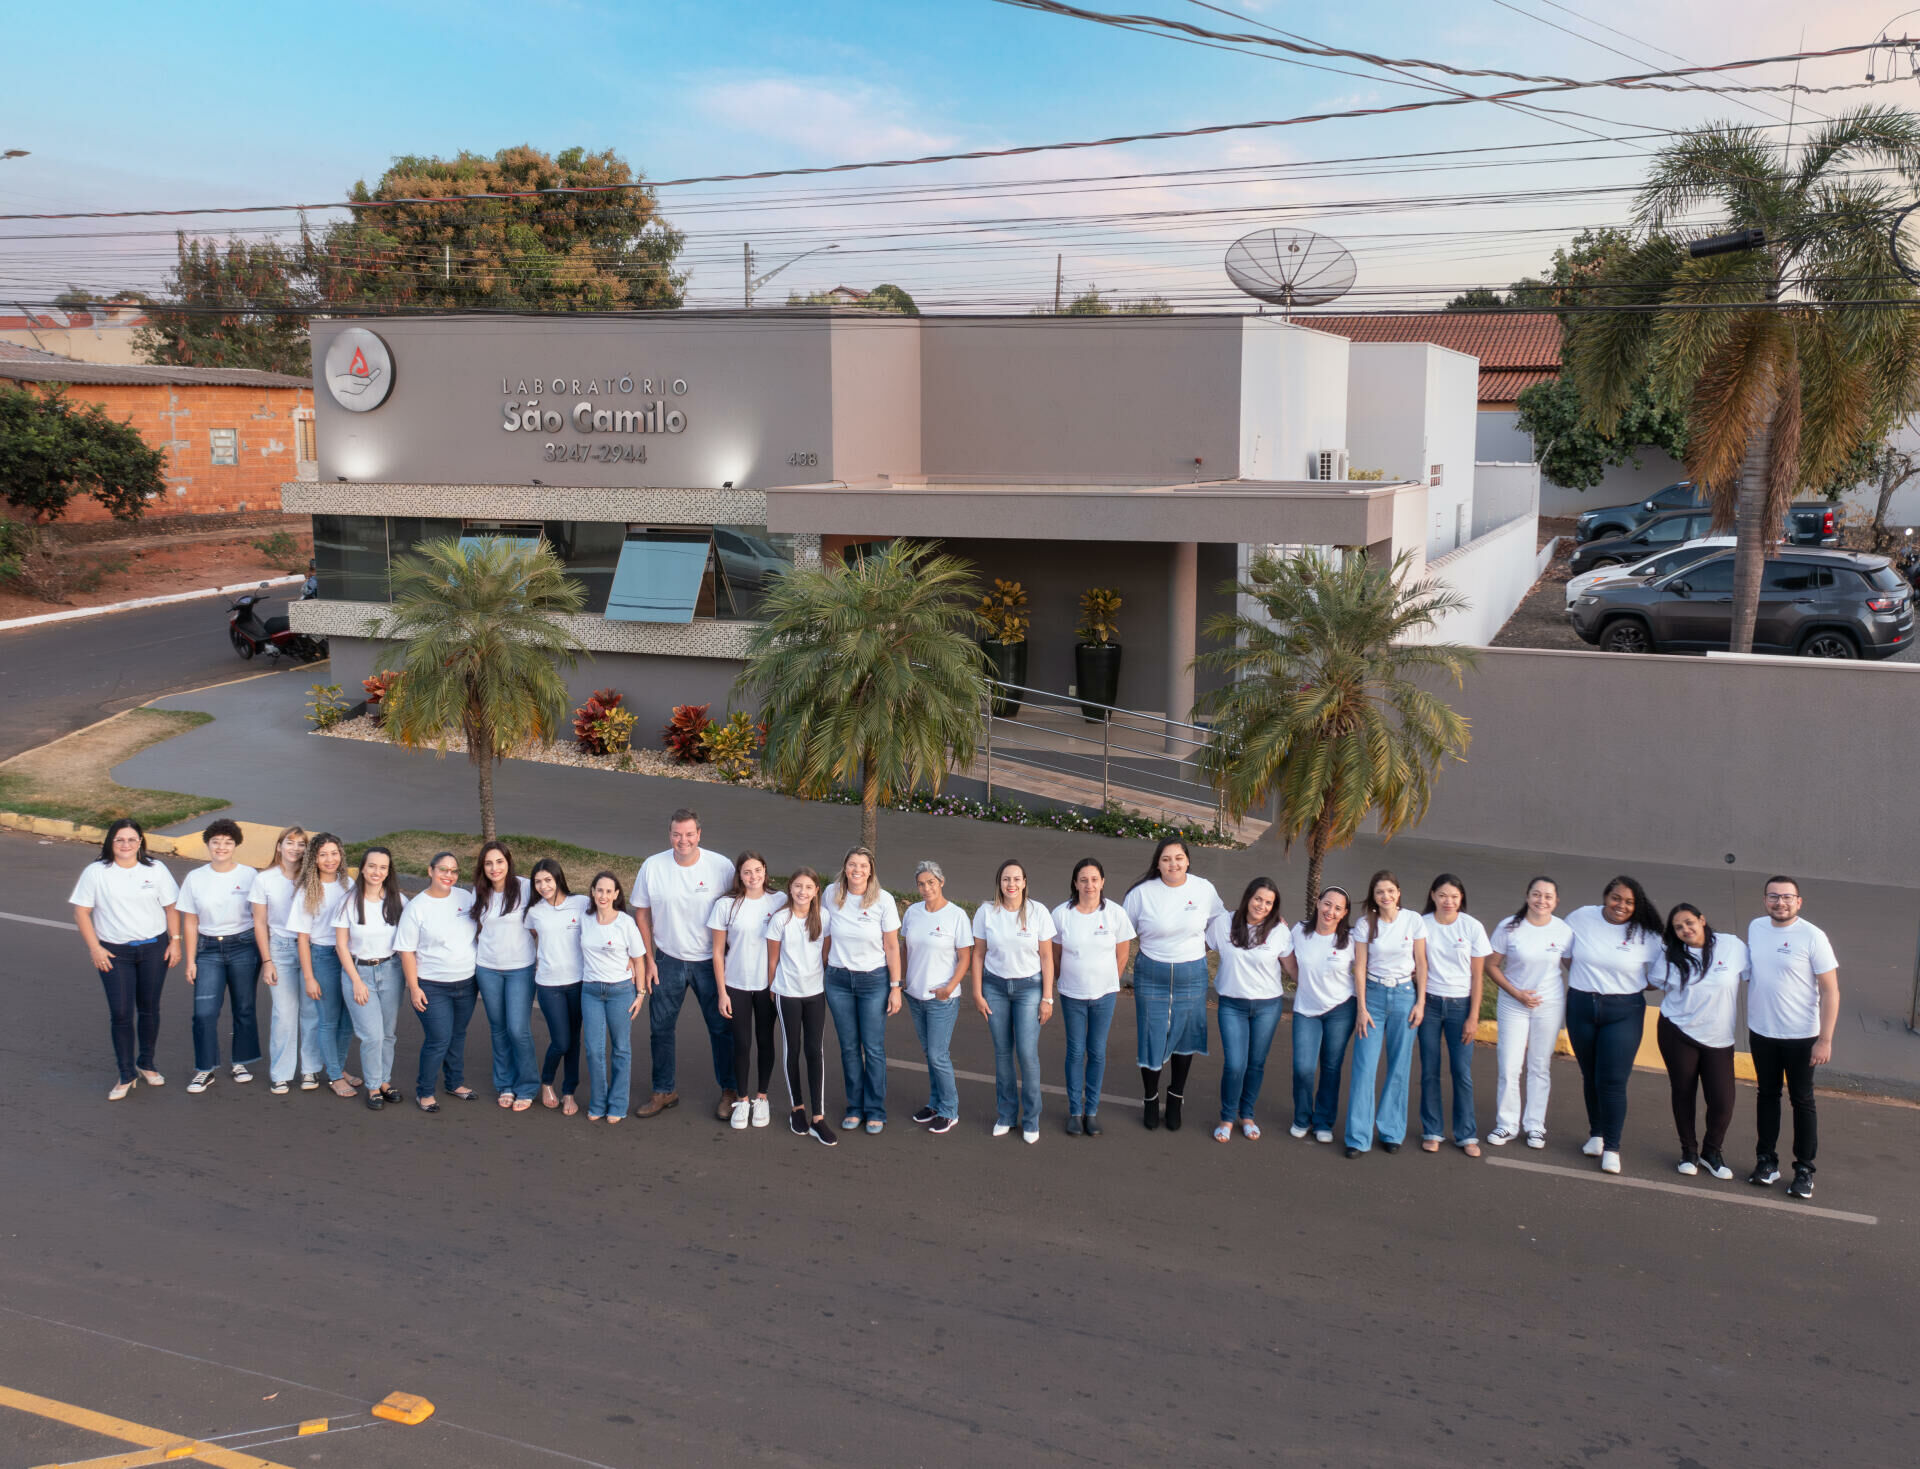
(179, 421)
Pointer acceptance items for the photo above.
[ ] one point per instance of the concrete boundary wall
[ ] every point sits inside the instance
(1494, 573)
(1792, 765)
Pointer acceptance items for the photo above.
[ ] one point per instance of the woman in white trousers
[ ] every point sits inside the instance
(1529, 951)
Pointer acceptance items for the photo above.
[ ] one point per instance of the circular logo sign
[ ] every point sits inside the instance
(359, 370)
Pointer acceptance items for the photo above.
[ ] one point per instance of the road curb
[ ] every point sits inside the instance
(74, 613)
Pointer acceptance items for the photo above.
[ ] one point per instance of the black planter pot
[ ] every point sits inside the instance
(1009, 662)
(1096, 671)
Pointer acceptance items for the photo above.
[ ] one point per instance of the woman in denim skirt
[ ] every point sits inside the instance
(1170, 908)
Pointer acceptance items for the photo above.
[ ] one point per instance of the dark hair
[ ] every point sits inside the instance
(1645, 917)
(391, 901)
(1343, 930)
(434, 861)
(125, 823)
(1520, 913)
(1153, 867)
(1073, 882)
(813, 908)
(1371, 908)
(225, 826)
(1241, 936)
(1782, 877)
(1679, 957)
(685, 813)
(1026, 888)
(1445, 880)
(483, 888)
(738, 891)
(619, 893)
(546, 864)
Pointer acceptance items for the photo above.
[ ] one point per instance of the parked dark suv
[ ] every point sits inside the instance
(1820, 604)
(1617, 520)
(1811, 524)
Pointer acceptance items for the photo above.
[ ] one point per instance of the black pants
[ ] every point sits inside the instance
(1793, 1060)
(133, 983)
(1692, 1067)
(1605, 1031)
(805, 1025)
(752, 1027)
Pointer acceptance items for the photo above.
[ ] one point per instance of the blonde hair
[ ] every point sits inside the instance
(311, 886)
(840, 890)
(291, 831)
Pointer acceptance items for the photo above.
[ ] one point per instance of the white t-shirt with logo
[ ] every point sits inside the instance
(438, 932)
(933, 943)
(220, 902)
(273, 890)
(744, 922)
(802, 972)
(1390, 951)
(608, 949)
(1451, 950)
(855, 927)
(1013, 939)
(1325, 973)
(129, 903)
(1704, 1007)
(317, 926)
(1784, 1001)
(505, 940)
(1532, 954)
(678, 900)
(369, 935)
(1610, 958)
(556, 939)
(1172, 922)
(1253, 973)
(1089, 962)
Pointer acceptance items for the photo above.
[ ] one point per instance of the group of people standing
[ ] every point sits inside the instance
(342, 956)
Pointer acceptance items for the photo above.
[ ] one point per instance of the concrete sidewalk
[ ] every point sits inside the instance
(258, 754)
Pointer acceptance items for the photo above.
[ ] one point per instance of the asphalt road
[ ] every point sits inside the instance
(672, 1292)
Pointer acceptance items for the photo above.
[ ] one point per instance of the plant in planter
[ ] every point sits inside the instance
(1003, 611)
(586, 721)
(734, 746)
(1096, 657)
(614, 729)
(382, 688)
(682, 734)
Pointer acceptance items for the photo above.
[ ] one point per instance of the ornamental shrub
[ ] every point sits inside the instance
(682, 733)
(586, 721)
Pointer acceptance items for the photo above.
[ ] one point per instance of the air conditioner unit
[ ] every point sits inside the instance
(1328, 464)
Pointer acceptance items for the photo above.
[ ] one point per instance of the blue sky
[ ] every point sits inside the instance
(143, 106)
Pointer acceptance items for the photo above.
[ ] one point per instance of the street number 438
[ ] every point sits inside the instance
(804, 461)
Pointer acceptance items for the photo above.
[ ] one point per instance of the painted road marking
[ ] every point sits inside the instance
(152, 1439)
(1718, 1196)
(1058, 1091)
(43, 922)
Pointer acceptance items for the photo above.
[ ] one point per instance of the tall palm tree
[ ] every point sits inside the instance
(483, 650)
(1328, 705)
(869, 671)
(1784, 364)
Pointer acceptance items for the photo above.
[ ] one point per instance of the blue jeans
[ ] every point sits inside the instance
(443, 1046)
(222, 967)
(560, 1008)
(1445, 1018)
(1605, 1031)
(1246, 1036)
(607, 1038)
(133, 983)
(1015, 1023)
(374, 1021)
(1087, 1022)
(933, 1023)
(1320, 1040)
(857, 1000)
(508, 996)
(325, 1019)
(287, 999)
(663, 1018)
(1390, 1009)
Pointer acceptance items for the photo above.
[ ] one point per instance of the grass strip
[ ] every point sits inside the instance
(68, 779)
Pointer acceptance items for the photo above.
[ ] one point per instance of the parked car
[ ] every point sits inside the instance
(1819, 604)
(1617, 520)
(1814, 523)
(1647, 570)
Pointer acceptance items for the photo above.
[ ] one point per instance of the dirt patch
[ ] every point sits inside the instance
(154, 567)
(1540, 621)
(69, 778)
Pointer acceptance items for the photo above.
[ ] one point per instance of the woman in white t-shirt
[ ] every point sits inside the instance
(738, 923)
(272, 900)
(216, 914)
(1170, 907)
(1700, 981)
(364, 924)
(1616, 945)
(1530, 950)
(1390, 946)
(1457, 950)
(1092, 937)
(1251, 942)
(554, 918)
(125, 908)
(936, 943)
(504, 964)
(796, 960)
(613, 981)
(863, 983)
(1013, 988)
(1324, 1011)
(436, 945)
(323, 878)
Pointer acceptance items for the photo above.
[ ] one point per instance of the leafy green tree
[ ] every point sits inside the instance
(1480, 298)
(1327, 703)
(1088, 303)
(1575, 277)
(1573, 453)
(868, 671)
(1146, 306)
(232, 304)
(883, 297)
(1784, 366)
(484, 642)
(52, 450)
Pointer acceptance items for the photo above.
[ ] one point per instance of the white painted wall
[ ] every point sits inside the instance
(1293, 397)
(1451, 416)
(1494, 573)
(1498, 437)
(1412, 406)
(1503, 491)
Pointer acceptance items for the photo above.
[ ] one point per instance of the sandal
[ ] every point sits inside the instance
(569, 1107)
(506, 1099)
(343, 1088)
(549, 1098)
(1223, 1132)
(1472, 1150)
(1250, 1129)
(521, 1104)
(427, 1104)
(350, 1079)
(1429, 1144)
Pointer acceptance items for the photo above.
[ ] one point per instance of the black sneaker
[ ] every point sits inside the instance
(943, 1124)
(1073, 1124)
(925, 1115)
(1802, 1185)
(1174, 1099)
(824, 1134)
(1711, 1160)
(1151, 1115)
(797, 1120)
(1765, 1173)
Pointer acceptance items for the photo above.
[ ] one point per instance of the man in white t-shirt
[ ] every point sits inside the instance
(1793, 1005)
(673, 893)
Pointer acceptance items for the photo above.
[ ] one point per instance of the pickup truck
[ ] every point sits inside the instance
(1813, 523)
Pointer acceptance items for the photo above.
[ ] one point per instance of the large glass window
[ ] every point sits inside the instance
(404, 532)
(591, 551)
(749, 558)
(478, 532)
(350, 557)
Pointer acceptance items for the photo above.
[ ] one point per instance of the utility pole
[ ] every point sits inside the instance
(746, 262)
(1059, 263)
(755, 283)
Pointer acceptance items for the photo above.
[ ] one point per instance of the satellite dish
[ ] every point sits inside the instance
(1290, 267)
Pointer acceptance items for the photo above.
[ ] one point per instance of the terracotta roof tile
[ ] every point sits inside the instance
(1506, 387)
(1516, 349)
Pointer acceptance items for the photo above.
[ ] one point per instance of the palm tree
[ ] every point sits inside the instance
(484, 650)
(1782, 359)
(869, 671)
(1327, 703)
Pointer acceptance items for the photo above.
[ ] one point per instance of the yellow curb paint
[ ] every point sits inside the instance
(312, 1425)
(256, 843)
(403, 1407)
(154, 1440)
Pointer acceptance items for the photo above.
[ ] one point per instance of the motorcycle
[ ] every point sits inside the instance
(252, 633)
(1908, 561)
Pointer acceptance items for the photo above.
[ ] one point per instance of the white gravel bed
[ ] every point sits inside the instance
(639, 761)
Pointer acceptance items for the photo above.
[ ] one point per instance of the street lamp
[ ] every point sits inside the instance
(754, 283)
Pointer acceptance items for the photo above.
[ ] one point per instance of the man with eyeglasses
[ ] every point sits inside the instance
(1793, 1005)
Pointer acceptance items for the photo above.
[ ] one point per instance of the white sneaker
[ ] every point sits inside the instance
(120, 1090)
(1323, 1136)
(201, 1081)
(1593, 1147)
(760, 1113)
(1688, 1167)
(1298, 1131)
(742, 1115)
(1001, 1129)
(1500, 1137)
(1031, 1137)
(241, 1074)
(1609, 1162)
(1536, 1139)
